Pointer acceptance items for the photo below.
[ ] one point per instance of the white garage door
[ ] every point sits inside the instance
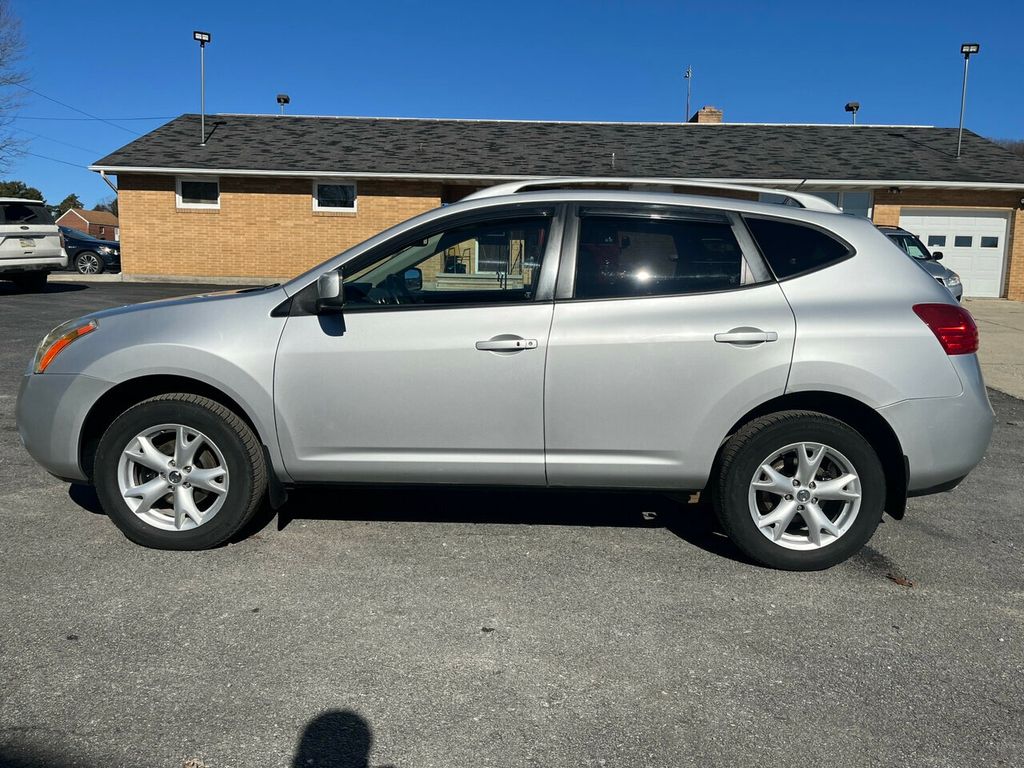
(972, 243)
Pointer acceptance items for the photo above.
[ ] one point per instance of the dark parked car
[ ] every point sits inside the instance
(89, 255)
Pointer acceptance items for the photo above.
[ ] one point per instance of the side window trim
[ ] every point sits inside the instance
(303, 301)
(753, 261)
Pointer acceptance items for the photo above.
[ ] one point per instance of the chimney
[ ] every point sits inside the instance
(706, 114)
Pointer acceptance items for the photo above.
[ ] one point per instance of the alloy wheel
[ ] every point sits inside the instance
(88, 263)
(805, 496)
(173, 477)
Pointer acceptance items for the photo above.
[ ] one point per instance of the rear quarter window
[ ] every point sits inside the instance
(793, 249)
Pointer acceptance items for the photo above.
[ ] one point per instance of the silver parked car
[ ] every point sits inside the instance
(546, 333)
(911, 245)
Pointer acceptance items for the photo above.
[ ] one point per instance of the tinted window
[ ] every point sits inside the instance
(199, 192)
(341, 196)
(25, 213)
(485, 262)
(622, 256)
(794, 248)
(857, 204)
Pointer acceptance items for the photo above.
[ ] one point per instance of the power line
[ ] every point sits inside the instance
(76, 109)
(58, 141)
(86, 119)
(56, 160)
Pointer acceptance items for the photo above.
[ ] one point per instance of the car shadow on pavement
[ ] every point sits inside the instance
(10, 289)
(693, 523)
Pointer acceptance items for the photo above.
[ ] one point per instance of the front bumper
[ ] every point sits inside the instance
(51, 411)
(944, 438)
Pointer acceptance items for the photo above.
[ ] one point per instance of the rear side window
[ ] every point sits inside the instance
(24, 213)
(625, 256)
(792, 249)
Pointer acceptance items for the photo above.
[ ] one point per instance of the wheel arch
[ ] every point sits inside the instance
(858, 416)
(124, 395)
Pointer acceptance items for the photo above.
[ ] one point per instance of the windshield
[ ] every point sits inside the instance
(911, 246)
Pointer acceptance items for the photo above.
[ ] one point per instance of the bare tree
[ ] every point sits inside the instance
(1014, 145)
(12, 48)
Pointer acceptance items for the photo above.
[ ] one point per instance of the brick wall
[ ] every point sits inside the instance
(265, 227)
(888, 206)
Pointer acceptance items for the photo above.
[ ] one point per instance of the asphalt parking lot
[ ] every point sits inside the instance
(493, 628)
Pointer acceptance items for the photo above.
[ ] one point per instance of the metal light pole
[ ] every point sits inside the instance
(689, 78)
(967, 49)
(203, 38)
(853, 107)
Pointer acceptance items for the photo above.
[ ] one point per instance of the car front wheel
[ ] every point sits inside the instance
(180, 471)
(799, 490)
(88, 263)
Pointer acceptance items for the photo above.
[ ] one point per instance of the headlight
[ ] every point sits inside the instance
(59, 338)
(104, 249)
(953, 279)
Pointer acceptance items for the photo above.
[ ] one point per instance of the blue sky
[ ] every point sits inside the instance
(546, 59)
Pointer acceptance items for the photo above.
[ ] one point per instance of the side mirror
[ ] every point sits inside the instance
(414, 279)
(937, 255)
(330, 293)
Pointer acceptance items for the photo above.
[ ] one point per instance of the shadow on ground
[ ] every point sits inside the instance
(694, 523)
(8, 288)
(339, 738)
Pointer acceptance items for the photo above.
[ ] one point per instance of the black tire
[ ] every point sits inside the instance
(31, 282)
(243, 457)
(757, 440)
(93, 258)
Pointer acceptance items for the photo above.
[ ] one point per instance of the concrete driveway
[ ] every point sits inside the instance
(1001, 326)
(444, 628)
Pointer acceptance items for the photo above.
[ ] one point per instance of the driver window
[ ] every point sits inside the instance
(484, 262)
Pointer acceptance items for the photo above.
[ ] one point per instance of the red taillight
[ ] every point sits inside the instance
(953, 326)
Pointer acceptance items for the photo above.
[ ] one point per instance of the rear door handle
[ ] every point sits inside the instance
(746, 336)
(506, 345)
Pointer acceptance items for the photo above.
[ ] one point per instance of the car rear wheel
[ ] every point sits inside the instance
(180, 471)
(88, 263)
(799, 490)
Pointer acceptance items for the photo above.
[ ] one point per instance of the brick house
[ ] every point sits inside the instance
(271, 195)
(101, 224)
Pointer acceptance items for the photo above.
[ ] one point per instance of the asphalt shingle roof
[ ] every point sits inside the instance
(459, 148)
(105, 218)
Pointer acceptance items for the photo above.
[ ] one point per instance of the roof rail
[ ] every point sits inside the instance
(798, 199)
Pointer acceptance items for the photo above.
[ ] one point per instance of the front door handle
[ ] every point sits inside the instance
(506, 345)
(746, 336)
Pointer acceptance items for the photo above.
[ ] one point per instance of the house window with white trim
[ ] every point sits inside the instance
(854, 203)
(334, 196)
(200, 192)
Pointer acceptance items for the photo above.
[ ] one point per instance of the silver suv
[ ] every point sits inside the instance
(30, 246)
(547, 333)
